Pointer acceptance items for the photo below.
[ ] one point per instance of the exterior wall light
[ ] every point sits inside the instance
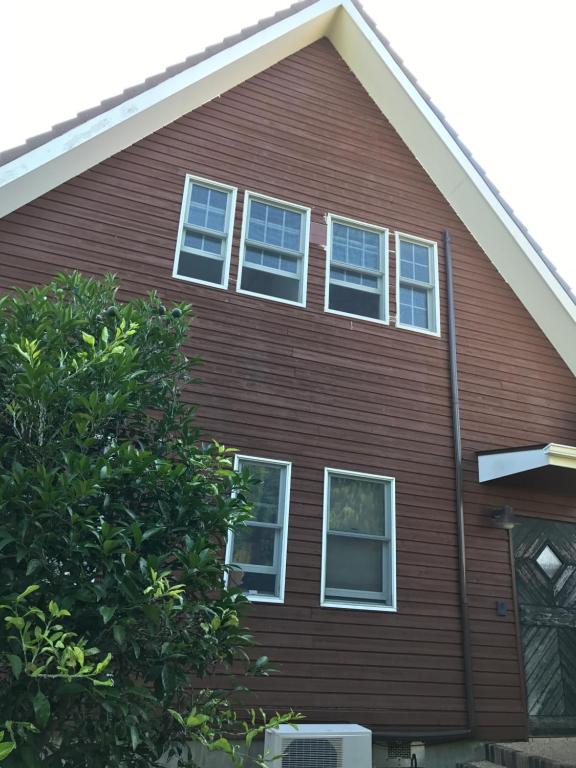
(503, 517)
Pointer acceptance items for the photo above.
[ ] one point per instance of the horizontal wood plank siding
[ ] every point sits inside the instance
(321, 390)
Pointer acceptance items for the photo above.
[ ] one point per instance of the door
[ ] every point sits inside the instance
(545, 555)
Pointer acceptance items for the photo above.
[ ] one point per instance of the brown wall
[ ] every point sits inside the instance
(322, 390)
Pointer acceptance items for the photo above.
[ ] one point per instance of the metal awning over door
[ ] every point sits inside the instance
(549, 465)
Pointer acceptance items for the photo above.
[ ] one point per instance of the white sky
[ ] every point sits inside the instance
(502, 71)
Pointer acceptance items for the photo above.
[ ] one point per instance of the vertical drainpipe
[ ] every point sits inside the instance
(455, 398)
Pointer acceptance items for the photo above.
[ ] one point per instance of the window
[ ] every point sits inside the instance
(259, 550)
(358, 560)
(205, 236)
(417, 284)
(357, 257)
(274, 251)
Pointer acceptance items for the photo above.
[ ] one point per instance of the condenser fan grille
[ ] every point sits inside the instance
(311, 753)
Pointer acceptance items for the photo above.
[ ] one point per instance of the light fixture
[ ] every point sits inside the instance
(503, 517)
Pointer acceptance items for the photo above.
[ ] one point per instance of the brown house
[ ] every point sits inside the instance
(383, 342)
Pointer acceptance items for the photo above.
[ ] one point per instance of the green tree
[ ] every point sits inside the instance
(113, 516)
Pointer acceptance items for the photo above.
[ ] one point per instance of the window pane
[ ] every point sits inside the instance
(354, 302)
(203, 243)
(356, 278)
(270, 284)
(271, 259)
(272, 225)
(267, 495)
(201, 268)
(208, 208)
(415, 261)
(414, 306)
(254, 546)
(352, 245)
(258, 583)
(357, 505)
(354, 564)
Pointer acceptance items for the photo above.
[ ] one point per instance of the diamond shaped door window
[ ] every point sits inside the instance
(549, 561)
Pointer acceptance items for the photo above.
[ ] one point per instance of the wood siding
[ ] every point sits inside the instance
(322, 390)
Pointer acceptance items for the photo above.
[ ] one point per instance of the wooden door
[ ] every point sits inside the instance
(545, 554)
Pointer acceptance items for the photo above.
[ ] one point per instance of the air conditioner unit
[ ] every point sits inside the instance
(402, 754)
(318, 746)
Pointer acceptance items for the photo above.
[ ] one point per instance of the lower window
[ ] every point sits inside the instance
(358, 564)
(259, 550)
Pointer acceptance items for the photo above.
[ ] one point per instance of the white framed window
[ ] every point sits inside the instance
(274, 249)
(357, 269)
(259, 550)
(358, 542)
(205, 232)
(417, 295)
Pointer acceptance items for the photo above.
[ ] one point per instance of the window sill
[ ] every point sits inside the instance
(358, 606)
(416, 329)
(264, 599)
(356, 317)
(271, 298)
(195, 280)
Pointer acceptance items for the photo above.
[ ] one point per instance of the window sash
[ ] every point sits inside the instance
(362, 598)
(224, 235)
(300, 255)
(380, 273)
(431, 287)
(279, 528)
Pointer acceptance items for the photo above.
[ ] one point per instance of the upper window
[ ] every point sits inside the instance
(358, 569)
(259, 549)
(417, 284)
(357, 266)
(205, 236)
(274, 249)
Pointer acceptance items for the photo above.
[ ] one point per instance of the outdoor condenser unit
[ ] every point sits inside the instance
(402, 754)
(318, 746)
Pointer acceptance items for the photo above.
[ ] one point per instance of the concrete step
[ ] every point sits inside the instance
(537, 753)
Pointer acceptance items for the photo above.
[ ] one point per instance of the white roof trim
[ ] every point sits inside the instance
(457, 178)
(492, 466)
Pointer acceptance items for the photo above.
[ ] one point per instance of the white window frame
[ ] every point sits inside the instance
(305, 235)
(189, 181)
(382, 274)
(432, 288)
(391, 513)
(282, 547)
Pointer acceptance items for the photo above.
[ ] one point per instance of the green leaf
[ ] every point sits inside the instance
(107, 612)
(41, 709)
(27, 591)
(193, 720)
(6, 747)
(16, 664)
(222, 745)
(89, 339)
(104, 335)
(16, 621)
(119, 633)
(134, 737)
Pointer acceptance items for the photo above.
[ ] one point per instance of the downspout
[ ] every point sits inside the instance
(455, 398)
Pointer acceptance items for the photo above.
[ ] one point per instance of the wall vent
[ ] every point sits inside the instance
(403, 754)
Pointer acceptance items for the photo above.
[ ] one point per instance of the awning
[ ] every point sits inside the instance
(551, 461)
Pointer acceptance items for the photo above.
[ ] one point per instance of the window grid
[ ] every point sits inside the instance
(357, 260)
(205, 232)
(278, 527)
(417, 284)
(275, 243)
(359, 599)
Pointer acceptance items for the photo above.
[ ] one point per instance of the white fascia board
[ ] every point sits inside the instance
(458, 179)
(561, 455)
(492, 466)
(44, 168)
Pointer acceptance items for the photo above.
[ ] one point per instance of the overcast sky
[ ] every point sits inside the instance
(502, 71)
